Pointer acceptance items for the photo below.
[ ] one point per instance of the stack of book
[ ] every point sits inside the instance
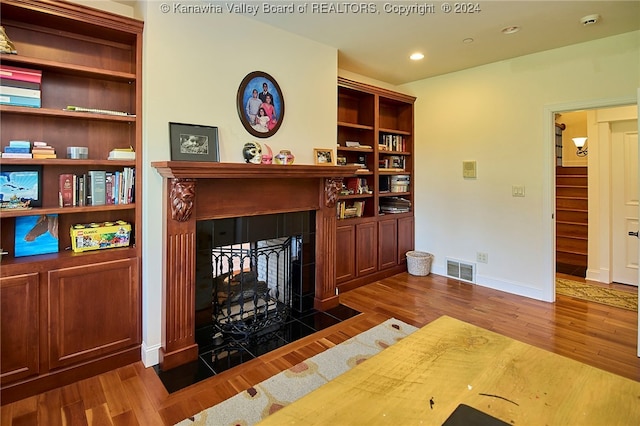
(20, 86)
(42, 150)
(347, 211)
(394, 205)
(17, 149)
(400, 183)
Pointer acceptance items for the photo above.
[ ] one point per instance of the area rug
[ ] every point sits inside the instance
(258, 402)
(598, 294)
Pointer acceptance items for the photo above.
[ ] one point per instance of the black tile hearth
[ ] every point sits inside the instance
(219, 356)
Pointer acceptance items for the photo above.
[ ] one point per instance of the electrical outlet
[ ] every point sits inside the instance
(482, 257)
(517, 190)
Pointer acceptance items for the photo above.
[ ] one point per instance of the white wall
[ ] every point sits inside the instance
(193, 66)
(495, 114)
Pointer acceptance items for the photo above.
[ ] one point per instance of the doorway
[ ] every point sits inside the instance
(610, 159)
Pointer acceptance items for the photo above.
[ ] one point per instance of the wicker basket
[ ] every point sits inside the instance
(419, 263)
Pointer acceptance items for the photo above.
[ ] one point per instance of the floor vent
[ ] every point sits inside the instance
(461, 270)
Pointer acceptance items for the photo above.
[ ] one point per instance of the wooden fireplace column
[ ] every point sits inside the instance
(195, 191)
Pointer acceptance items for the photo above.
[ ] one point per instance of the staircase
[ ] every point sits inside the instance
(571, 220)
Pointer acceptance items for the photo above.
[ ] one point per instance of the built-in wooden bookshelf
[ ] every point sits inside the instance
(67, 315)
(375, 208)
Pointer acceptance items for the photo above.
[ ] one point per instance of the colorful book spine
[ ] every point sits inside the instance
(21, 74)
(16, 149)
(20, 101)
(66, 190)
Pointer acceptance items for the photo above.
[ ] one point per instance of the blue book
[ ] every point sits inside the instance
(36, 235)
(20, 149)
(20, 144)
(20, 101)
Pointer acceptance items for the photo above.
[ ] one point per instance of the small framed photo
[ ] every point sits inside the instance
(323, 156)
(260, 104)
(194, 142)
(20, 186)
(341, 160)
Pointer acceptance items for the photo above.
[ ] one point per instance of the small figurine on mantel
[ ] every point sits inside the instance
(6, 46)
(267, 157)
(252, 152)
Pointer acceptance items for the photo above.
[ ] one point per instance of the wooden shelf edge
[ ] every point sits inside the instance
(67, 162)
(355, 126)
(64, 210)
(46, 64)
(61, 113)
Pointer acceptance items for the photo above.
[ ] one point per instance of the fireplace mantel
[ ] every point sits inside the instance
(195, 191)
(204, 170)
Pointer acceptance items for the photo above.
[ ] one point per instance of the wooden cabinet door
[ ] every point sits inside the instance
(405, 238)
(19, 327)
(387, 243)
(366, 248)
(345, 253)
(93, 311)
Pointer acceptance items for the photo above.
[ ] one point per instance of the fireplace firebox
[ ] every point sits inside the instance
(252, 272)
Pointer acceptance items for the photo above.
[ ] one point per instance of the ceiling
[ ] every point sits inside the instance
(378, 45)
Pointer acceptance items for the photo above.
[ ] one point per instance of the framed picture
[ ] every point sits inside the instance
(323, 156)
(260, 104)
(36, 235)
(20, 186)
(193, 142)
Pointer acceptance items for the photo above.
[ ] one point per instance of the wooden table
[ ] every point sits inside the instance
(424, 377)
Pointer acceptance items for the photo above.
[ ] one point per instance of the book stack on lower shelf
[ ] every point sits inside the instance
(20, 86)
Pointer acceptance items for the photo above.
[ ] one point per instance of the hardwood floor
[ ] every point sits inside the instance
(595, 334)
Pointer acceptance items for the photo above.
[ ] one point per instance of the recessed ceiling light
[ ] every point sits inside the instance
(510, 30)
(416, 56)
(468, 40)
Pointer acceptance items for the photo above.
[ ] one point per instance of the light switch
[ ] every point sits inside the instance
(517, 191)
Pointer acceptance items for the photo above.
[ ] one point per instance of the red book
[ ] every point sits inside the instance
(66, 190)
(21, 74)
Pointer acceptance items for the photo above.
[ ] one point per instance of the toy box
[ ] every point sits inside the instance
(96, 236)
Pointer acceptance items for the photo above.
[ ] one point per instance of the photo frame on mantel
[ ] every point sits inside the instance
(260, 104)
(193, 142)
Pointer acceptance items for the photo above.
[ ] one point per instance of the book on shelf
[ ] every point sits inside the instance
(392, 142)
(18, 83)
(395, 205)
(348, 211)
(20, 74)
(44, 156)
(19, 101)
(65, 194)
(9, 149)
(19, 91)
(97, 183)
(122, 154)
(17, 155)
(20, 144)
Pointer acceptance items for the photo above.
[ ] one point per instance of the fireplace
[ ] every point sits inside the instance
(252, 272)
(195, 193)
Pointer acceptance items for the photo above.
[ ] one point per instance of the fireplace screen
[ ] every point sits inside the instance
(252, 286)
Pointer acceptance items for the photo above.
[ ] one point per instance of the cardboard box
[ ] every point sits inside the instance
(97, 236)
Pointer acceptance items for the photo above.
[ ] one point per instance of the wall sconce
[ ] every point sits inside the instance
(579, 142)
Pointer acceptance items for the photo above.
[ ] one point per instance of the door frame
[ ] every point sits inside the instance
(549, 187)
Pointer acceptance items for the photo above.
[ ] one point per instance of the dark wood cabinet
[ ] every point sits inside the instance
(68, 315)
(345, 253)
(366, 248)
(379, 122)
(19, 327)
(387, 243)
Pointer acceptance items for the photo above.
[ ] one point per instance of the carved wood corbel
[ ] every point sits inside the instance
(183, 193)
(331, 188)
